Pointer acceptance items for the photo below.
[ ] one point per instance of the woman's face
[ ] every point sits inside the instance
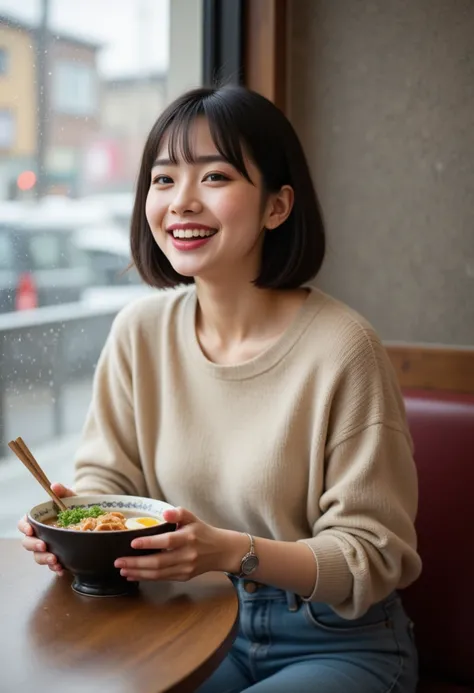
(205, 216)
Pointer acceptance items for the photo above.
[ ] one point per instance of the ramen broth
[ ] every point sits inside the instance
(108, 521)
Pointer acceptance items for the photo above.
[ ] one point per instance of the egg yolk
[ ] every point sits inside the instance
(141, 522)
(146, 521)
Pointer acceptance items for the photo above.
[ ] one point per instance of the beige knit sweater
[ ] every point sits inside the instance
(307, 441)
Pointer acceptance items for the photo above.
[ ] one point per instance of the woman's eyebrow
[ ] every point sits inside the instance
(206, 159)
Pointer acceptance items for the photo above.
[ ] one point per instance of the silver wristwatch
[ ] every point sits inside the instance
(249, 562)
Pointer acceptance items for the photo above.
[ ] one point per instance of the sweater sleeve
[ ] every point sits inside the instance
(108, 459)
(364, 540)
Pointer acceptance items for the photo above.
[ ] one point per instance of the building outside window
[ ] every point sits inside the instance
(75, 89)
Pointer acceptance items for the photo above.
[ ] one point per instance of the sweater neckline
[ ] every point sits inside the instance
(266, 359)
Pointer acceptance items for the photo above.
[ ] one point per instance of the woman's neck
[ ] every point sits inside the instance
(236, 322)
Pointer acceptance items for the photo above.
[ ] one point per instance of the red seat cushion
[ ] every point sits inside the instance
(441, 602)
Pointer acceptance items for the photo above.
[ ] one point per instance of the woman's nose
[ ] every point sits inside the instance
(186, 202)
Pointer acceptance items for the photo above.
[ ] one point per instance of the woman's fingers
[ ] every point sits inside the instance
(33, 544)
(181, 572)
(45, 558)
(168, 565)
(140, 563)
(24, 526)
(161, 542)
(158, 561)
(40, 553)
(50, 560)
(62, 491)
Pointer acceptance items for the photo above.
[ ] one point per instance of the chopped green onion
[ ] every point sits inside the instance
(74, 516)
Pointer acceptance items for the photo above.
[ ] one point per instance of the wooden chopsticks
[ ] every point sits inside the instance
(24, 454)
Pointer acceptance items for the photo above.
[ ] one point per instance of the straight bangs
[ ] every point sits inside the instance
(178, 130)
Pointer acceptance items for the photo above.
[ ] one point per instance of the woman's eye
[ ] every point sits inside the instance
(162, 180)
(215, 177)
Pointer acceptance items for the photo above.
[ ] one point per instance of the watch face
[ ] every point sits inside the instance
(249, 564)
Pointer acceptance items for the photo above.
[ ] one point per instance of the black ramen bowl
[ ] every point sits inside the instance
(90, 556)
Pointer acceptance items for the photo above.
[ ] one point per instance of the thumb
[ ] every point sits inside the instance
(179, 516)
(61, 491)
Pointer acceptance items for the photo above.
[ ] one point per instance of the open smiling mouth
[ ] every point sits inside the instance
(191, 234)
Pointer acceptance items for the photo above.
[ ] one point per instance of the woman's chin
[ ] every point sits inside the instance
(190, 267)
(185, 270)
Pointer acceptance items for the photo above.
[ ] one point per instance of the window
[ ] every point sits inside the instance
(45, 252)
(106, 71)
(75, 89)
(3, 61)
(7, 129)
(6, 251)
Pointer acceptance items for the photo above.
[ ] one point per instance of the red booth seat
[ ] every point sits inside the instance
(441, 602)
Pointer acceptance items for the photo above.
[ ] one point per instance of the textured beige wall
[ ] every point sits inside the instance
(382, 95)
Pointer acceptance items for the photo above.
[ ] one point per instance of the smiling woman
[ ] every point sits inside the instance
(207, 203)
(264, 411)
(210, 165)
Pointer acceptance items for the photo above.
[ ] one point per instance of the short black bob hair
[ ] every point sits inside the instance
(238, 120)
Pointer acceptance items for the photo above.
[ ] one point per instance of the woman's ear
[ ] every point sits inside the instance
(278, 207)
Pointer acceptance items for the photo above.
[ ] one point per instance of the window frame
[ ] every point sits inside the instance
(223, 43)
(245, 42)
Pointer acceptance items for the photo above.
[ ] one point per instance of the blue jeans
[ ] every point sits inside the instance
(288, 646)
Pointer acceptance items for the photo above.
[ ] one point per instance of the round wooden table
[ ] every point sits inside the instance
(170, 637)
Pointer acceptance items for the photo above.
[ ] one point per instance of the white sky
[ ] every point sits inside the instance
(135, 33)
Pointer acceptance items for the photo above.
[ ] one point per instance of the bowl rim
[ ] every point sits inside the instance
(89, 500)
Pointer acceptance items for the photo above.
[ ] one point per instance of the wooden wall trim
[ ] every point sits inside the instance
(265, 49)
(433, 367)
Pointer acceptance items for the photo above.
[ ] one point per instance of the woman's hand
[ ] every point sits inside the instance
(194, 548)
(31, 543)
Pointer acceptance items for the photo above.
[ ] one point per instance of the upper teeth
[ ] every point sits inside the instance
(192, 233)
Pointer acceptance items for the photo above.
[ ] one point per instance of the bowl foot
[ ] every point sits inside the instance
(116, 588)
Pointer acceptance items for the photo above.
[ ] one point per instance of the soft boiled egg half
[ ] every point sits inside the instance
(141, 522)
